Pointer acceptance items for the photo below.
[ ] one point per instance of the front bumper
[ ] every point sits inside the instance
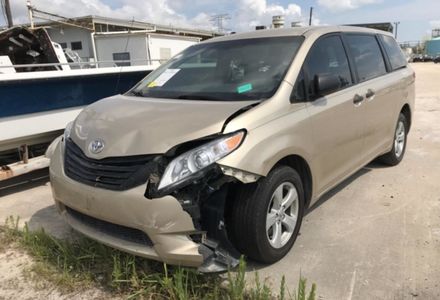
(118, 218)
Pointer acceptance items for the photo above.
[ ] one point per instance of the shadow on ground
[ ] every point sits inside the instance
(252, 265)
(51, 221)
(24, 182)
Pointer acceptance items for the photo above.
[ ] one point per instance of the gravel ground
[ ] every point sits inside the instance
(376, 236)
(15, 283)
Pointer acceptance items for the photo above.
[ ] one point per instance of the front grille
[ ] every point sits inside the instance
(112, 173)
(117, 231)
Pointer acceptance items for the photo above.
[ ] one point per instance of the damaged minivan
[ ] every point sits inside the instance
(220, 151)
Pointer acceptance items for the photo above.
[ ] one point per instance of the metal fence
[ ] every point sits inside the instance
(88, 65)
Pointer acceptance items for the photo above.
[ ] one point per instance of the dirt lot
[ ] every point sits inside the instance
(376, 236)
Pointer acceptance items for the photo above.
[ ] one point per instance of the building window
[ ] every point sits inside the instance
(76, 45)
(165, 54)
(124, 56)
(63, 45)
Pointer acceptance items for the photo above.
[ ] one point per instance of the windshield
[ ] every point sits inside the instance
(247, 69)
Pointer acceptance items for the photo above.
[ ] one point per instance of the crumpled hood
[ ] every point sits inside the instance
(134, 125)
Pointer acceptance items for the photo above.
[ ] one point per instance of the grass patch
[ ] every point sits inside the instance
(72, 265)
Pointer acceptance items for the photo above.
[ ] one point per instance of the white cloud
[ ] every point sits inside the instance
(435, 23)
(245, 14)
(341, 5)
(157, 11)
(251, 13)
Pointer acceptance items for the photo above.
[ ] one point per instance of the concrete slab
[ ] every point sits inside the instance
(30, 199)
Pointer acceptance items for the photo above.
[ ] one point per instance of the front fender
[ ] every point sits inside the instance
(266, 145)
(51, 149)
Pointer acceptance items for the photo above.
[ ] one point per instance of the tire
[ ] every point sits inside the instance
(395, 156)
(249, 211)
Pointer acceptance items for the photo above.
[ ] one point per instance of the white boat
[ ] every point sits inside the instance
(40, 91)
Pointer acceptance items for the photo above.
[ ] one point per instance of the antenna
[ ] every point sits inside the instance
(217, 21)
(125, 50)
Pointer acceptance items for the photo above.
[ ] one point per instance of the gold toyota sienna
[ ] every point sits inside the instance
(220, 150)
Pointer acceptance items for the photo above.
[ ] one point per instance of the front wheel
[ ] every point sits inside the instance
(265, 217)
(395, 156)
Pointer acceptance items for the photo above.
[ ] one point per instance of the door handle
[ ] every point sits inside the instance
(358, 99)
(370, 93)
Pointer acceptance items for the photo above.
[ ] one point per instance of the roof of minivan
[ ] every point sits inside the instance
(295, 31)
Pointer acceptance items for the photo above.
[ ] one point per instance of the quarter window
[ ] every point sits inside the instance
(367, 56)
(299, 90)
(327, 57)
(395, 55)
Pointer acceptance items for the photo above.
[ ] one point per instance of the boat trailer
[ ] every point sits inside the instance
(25, 165)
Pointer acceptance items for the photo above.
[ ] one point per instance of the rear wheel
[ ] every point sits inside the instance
(265, 217)
(396, 154)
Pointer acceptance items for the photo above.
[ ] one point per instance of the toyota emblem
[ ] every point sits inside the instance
(96, 146)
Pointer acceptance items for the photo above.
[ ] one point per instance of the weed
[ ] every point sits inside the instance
(80, 263)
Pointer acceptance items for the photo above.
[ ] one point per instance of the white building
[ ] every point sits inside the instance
(97, 38)
(139, 47)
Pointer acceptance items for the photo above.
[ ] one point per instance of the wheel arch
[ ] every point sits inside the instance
(406, 111)
(298, 163)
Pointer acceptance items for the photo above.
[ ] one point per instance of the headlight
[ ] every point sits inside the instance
(189, 163)
(68, 130)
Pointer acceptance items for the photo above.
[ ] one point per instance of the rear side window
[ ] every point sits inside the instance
(395, 54)
(367, 56)
(328, 57)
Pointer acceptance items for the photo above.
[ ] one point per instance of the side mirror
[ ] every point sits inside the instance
(326, 83)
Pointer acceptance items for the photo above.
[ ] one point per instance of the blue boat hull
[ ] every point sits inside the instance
(19, 97)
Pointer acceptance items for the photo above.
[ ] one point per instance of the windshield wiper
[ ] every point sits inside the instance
(199, 97)
(137, 93)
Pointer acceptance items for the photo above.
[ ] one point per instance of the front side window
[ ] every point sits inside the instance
(327, 57)
(395, 54)
(367, 56)
(246, 69)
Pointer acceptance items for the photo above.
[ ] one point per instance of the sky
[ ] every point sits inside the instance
(416, 17)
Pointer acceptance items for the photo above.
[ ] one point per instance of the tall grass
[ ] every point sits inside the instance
(80, 263)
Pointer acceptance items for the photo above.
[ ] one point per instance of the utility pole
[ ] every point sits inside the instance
(30, 12)
(396, 25)
(217, 20)
(311, 15)
(8, 13)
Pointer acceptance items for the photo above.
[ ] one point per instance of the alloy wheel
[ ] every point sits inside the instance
(282, 215)
(399, 139)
